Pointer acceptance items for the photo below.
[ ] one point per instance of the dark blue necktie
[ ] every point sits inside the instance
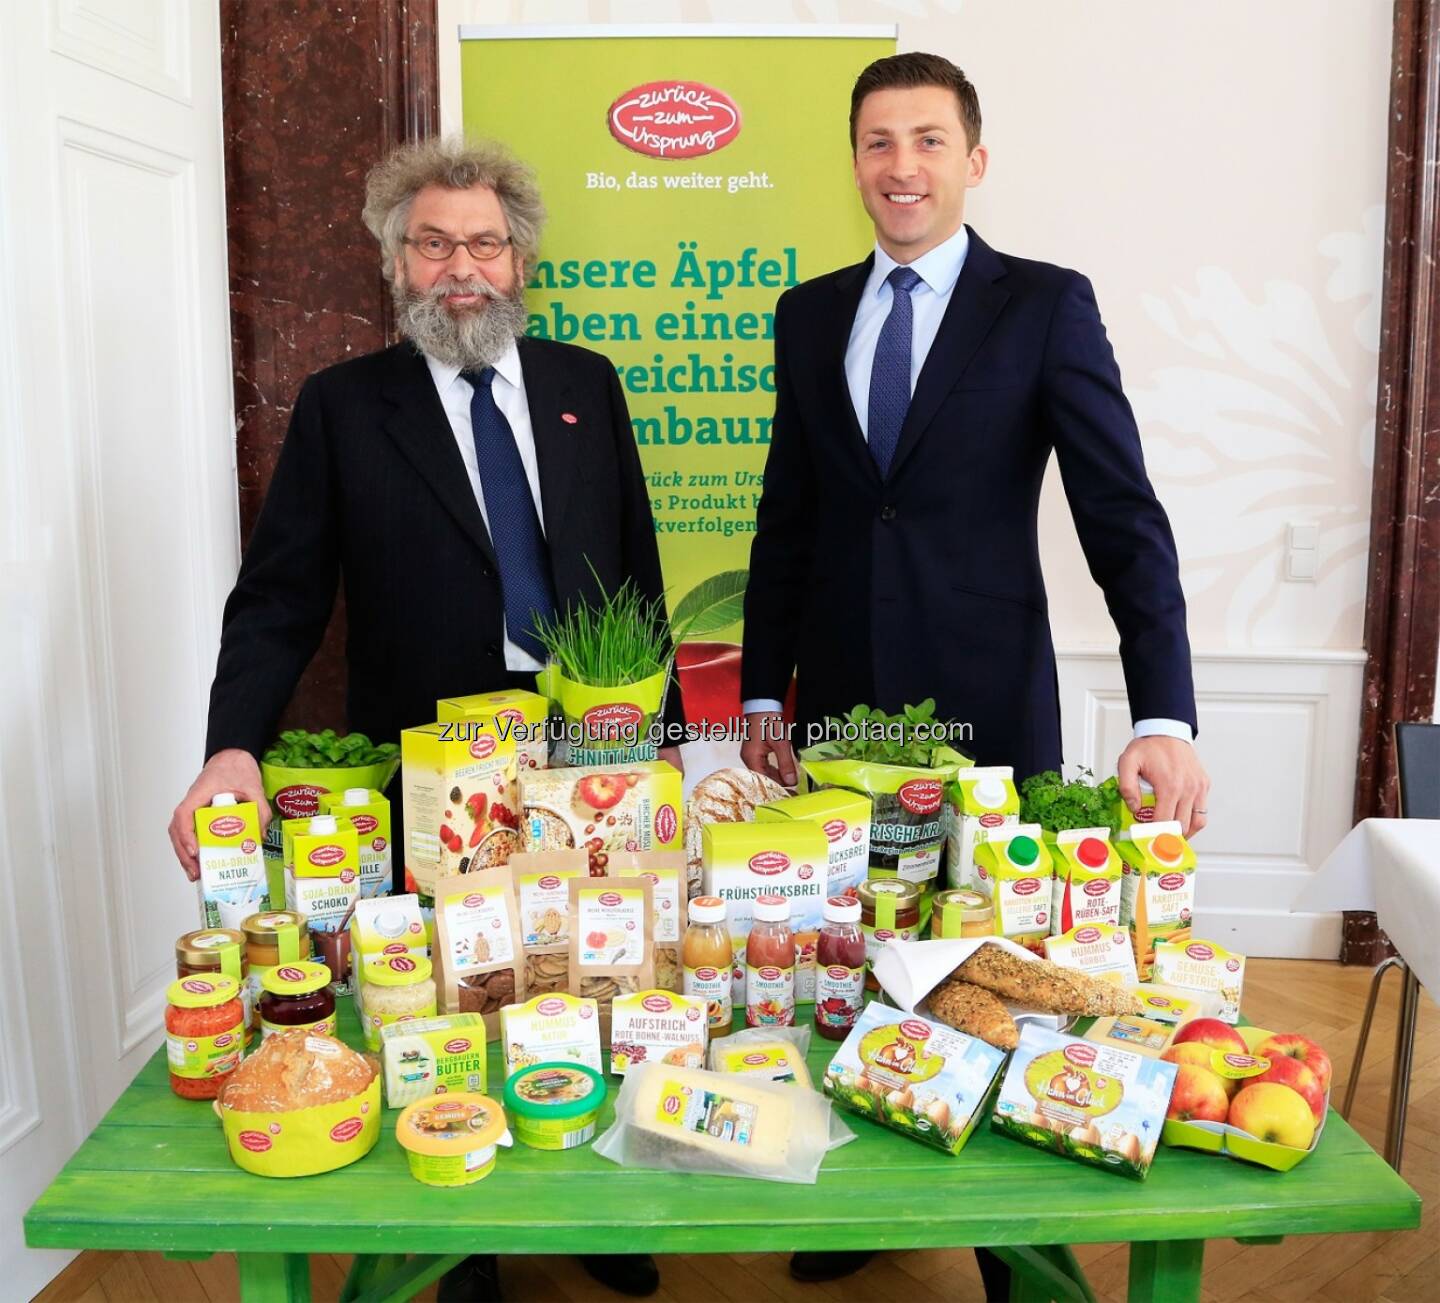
(510, 512)
(890, 375)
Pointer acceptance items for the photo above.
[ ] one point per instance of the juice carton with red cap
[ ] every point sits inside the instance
(322, 882)
(977, 802)
(520, 716)
(1088, 874)
(1157, 892)
(1015, 867)
(233, 882)
(369, 814)
(845, 817)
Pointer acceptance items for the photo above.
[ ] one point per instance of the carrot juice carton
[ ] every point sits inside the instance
(322, 882)
(369, 814)
(977, 802)
(519, 716)
(233, 883)
(1014, 867)
(1157, 891)
(1088, 875)
(845, 817)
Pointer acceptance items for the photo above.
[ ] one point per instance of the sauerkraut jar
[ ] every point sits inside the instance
(204, 1033)
(394, 988)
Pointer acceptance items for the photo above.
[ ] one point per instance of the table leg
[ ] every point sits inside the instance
(274, 1277)
(1165, 1271)
(1400, 1069)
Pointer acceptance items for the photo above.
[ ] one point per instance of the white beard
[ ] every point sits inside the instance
(473, 338)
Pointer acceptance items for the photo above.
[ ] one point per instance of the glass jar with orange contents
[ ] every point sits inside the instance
(204, 1033)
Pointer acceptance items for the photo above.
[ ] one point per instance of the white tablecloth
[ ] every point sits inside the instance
(1390, 866)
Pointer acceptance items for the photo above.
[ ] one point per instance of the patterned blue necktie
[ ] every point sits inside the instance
(890, 374)
(510, 512)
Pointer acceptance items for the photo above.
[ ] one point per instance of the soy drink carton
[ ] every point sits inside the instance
(520, 716)
(233, 882)
(740, 861)
(977, 802)
(369, 814)
(1088, 874)
(1157, 891)
(1015, 868)
(1197, 965)
(322, 882)
(845, 817)
(460, 800)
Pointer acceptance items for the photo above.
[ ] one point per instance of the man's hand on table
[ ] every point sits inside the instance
(1171, 767)
(766, 749)
(226, 771)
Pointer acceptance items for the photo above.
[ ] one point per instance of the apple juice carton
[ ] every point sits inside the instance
(1015, 867)
(1197, 965)
(1088, 873)
(460, 800)
(322, 882)
(369, 814)
(1157, 892)
(521, 717)
(740, 861)
(233, 882)
(977, 801)
(845, 817)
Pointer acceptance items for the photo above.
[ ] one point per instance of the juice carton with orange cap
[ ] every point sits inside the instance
(1088, 874)
(322, 883)
(1157, 892)
(977, 802)
(1015, 867)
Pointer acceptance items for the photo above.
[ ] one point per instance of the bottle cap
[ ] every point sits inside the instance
(842, 909)
(772, 909)
(989, 792)
(707, 909)
(357, 796)
(1023, 851)
(1092, 853)
(224, 798)
(323, 824)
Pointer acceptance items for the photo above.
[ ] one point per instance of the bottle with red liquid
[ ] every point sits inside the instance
(839, 969)
(770, 965)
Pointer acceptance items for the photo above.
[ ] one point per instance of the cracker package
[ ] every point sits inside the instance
(542, 895)
(665, 871)
(478, 944)
(612, 948)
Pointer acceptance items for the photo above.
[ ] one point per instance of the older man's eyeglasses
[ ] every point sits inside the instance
(438, 248)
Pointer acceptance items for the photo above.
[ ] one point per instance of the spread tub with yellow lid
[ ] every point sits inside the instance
(297, 996)
(555, 1104)
(450, 1139)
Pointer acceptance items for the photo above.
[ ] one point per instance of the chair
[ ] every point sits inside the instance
(1417, 759)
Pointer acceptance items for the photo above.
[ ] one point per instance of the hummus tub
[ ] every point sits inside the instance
(450, 1139)
(555, 1104)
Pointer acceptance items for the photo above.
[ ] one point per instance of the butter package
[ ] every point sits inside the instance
(322, 883)
(520, 717)
(1088, 874)
(844, 816)
(918, 1077)
(1096, 1104)
(977, 802)
(665, 872)
(385, 925)
(740, 861)
(772, 1053)
(1157, 891)
(369, 815)
(477, 944)
(542, 896)
(602, 809)
(1015, 867)
(461, 808)
(1097, 950)
(430, 1055)
(551, 1029)
(1203, 966)
(657, 1026)
(233, 880)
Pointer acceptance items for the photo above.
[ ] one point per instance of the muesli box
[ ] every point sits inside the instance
(551, 1029)
(606, 808)
(977, 802)
(1198, 965)
(657, 1026)
(520, 716)
(233, 881)
(845, 818)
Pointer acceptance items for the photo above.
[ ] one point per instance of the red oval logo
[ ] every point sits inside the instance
(343, 1132)
(610, 899)
(1145, 814)
(223, 1040)
(550, 1008)
(991, 820)
(1026, 886)
(197, 986)
(755, 1060)
(769, 862)
(665, 823)
(1097, 887)
(1172, 881)
(483, 747)
(458, 1046)
(836, 829)
(402, 964)
(920, 795)
(395, 948)
(1084, 1055)
(474, 900)
(768, 974)
(549, 883)
(915, 1029)
(613, 721)
(364, 823)
(288, 974)
(674, 119)
(257, 1142)
(322, 857)
(1244, 1060)
(672, 1103)
(1200, 951)
(1088, 935)
(707, 974)
(838, 973)
(227, 825)
(300, 801)
(656, 1004)
(510, 716)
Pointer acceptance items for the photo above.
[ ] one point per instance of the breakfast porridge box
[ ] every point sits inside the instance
(657, 1027)
(845, 817)
(519, 716)
(1198, 965)
(461, 810)
(551, 1029)
(606, 808)
(542, 898)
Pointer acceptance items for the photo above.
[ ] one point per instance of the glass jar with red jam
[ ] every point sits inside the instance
(204, 1033)
(297, 996)
(839, 969)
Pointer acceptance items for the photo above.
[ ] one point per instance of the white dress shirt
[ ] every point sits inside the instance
(939, 269)
(508, 388)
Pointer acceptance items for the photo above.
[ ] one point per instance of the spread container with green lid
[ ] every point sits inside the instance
(450, 1139)
(555, 1104)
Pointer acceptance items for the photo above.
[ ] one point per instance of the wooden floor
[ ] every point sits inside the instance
(1320, 1000)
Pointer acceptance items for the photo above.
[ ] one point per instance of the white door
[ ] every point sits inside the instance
(118, 542)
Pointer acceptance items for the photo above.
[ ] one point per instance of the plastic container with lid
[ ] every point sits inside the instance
(961, 912)
(555, 1104)
(204, 1033)
(297, 996)
(450, 1139)
(889, 911)
(397, 988)
(839, 969)
(707, 956)
(770, 957)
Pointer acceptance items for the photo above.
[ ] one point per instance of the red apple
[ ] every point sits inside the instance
(1286, 1071)
(1211, 1031)
(601, 791)
(1295, 1046)
(1274, 1113)
(1198, 1056)
(1199, 1096)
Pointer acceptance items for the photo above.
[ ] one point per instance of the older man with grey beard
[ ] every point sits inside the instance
(462, 483)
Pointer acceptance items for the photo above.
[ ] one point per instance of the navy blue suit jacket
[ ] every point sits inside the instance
(927, 582)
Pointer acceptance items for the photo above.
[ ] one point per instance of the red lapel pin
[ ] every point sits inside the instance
(569, 418)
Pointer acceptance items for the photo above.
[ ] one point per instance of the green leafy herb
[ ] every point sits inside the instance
(869, 735)
(1046, 799)
(297, 749)
(621, 639)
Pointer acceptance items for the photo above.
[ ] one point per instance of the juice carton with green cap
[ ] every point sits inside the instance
(322, 882)
(369, 814)
(1088, 874)
(1157, 892)
(977, 801)
(520, 716)
(845, 817)
(1016, 868)
(233, 882)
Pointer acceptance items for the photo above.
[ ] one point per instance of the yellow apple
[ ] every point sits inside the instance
(1274, 1113)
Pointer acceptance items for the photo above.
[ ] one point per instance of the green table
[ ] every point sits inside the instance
(155, 1176)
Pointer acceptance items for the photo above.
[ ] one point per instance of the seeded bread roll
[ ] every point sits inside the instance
(726, 796)
(1039, 984)
(975, 1012)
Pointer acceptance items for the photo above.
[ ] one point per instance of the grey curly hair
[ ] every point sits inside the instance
(457, 163)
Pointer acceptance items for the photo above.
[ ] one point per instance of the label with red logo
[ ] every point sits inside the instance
(1081, 1054)
(835, 829)
(257, 1142)
(327, 856)
(205, 1056)
(344, 1132)
(483, 747)
(657, 1026)
(1098, 950)
(616, 721)
(667, 823)
(477, 926)
(667, 896)
(299, 800)
(611, 927)
(709, 1113)
(544, 900)
(839, 994)
(921, 795)
(768, 863)
(769, 995)
(674, 119)
(712, 985)
(227, 825)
